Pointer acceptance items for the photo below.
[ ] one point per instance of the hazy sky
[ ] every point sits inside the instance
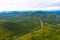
(8, 5)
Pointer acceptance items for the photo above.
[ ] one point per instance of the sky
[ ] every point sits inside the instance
(17, 5)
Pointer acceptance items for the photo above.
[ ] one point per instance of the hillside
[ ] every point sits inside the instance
(30, 25)
(47, 33)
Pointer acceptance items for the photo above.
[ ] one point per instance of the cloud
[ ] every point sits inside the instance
(7, 5)
(51, 8)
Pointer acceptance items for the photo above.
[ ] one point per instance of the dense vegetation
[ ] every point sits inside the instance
(30, 25)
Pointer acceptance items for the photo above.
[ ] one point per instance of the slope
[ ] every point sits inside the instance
(48, 32)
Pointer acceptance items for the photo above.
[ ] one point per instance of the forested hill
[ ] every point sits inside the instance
(29, 15)
(17, 25)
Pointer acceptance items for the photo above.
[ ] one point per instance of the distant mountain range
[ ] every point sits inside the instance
(26, 15)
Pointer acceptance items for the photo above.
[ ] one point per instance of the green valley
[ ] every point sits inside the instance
(30, 25)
